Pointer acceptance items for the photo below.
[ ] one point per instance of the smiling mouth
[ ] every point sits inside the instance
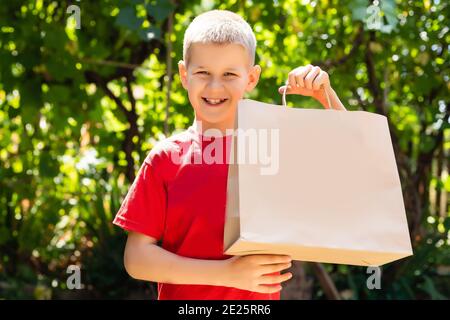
(214, 102)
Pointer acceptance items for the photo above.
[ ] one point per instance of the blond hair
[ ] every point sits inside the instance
(219, 27)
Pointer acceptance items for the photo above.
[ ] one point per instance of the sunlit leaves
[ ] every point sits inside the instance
(61, 135)
(382, 17)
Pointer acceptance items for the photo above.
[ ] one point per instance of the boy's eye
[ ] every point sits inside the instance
(225, 74)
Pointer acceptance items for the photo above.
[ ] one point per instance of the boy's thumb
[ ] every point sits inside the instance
(281, 89)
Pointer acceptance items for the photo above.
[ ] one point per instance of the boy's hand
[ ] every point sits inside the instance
(255, 272)
(312, 81)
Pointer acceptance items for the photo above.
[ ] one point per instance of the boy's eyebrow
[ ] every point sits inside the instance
(202, 67)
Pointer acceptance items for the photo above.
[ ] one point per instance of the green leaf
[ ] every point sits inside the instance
(431, 289)
(5, 235)
(6, 78)
(161, 10)
(30, 100)
(48, 166)
(358, 8)
(13, 112)
(127, 18)
(423, 84)
(390, 10)
(386, 28)
(447, 223)
(58, 94)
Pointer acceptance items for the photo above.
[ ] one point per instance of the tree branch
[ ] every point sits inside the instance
(373, 84)
(128, 144)
(326, 282)
(94, 77)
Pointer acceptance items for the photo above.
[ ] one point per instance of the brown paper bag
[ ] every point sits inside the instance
(334, 196)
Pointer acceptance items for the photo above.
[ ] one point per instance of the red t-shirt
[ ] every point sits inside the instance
(180, 199)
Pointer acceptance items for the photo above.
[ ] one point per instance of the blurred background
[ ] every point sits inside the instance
(88, 87)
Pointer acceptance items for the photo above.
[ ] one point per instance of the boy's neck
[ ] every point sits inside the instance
(213, 129)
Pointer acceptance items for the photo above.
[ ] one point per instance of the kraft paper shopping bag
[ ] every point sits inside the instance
(319, 185)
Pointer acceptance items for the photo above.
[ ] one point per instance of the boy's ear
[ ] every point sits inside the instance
(253, 77)
(182, 71)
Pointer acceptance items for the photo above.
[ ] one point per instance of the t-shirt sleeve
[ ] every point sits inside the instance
(144, 208)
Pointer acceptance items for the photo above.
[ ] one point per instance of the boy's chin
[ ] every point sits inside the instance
(215, 118)
(215, 114)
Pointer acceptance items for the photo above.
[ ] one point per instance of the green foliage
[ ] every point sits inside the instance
(66, 118)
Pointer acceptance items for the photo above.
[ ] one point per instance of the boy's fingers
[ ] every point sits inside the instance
(321, 79)
(296, 76)
(310, 77)
(288, 91)
(263, 259)
(268, 289)
(270, 268)
(275, 279)
(291, 80)
(300, 77)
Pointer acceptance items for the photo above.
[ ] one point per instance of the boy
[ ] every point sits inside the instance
(182, 204)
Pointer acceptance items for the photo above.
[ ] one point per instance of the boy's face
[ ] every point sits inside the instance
(217, 72)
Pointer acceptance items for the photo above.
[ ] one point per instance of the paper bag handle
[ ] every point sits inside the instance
(284, 96)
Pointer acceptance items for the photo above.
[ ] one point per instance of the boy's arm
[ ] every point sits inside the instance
(334, 100)
(145, 260)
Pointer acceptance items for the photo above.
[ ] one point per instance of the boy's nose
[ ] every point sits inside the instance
(215, 83)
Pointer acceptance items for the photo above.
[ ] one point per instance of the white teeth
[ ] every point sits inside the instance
(214, 101)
